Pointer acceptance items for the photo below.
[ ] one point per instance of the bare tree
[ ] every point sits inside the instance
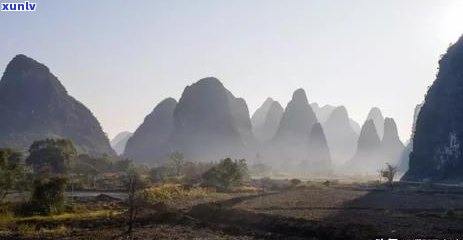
(388, 174)
(134, 184)
(178, 161)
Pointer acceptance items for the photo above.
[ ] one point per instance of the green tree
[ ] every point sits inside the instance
(226, 174)
(54, 155)
(48, 196)
(123, 165)
(99, 164)
(12, 173)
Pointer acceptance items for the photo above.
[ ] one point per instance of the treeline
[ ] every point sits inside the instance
(52, 166)
(223, 175)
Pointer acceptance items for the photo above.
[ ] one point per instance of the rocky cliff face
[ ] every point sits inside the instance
(150, 142)
(404, 158)
(341, 137)
(437, 151)
(34, 105)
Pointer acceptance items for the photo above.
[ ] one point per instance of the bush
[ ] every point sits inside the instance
(327, 183)
(388, 174)
(295, 182)
(12, 172)
(226, 174)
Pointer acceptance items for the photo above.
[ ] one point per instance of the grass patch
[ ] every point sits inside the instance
(72, 216)
(172, 192)
(6, 219)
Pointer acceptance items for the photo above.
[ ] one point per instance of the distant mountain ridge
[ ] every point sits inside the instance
(208, 123)
(119, 141)
(378, 119)
(292, 138)
(150, 141)
(341, 136)
(266, 120)
(374, 152)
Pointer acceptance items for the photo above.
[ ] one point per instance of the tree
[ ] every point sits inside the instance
(226, 174)
(123, 165)
(54, 155)
(388, 174)
(100, 164)
(48, 196)
(177, 160)
(193, 171)
(243, 169)
(12, 173)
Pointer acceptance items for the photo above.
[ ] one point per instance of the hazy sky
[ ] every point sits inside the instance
(120, 58)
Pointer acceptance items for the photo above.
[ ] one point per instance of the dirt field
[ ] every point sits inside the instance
(309, 211)
(407, 211)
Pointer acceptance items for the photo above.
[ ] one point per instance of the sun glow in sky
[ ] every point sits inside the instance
(121, 58)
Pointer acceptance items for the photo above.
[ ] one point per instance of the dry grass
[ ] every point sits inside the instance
(49, 226)
(168, 192)
(180, 198)
(71, 216)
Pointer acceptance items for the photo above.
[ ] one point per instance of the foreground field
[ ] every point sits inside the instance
(307, 211)
(407, 211)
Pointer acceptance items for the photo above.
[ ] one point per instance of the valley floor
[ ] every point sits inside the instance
(309, 211)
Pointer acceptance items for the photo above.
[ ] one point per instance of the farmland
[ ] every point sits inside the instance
(310, 210)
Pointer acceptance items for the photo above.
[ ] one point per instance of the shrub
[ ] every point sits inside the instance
(168, 192)
(388, 174)
(295, 182)
(226, 174)
(327, 183)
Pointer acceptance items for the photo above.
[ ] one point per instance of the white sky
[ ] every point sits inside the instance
(120, 58)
